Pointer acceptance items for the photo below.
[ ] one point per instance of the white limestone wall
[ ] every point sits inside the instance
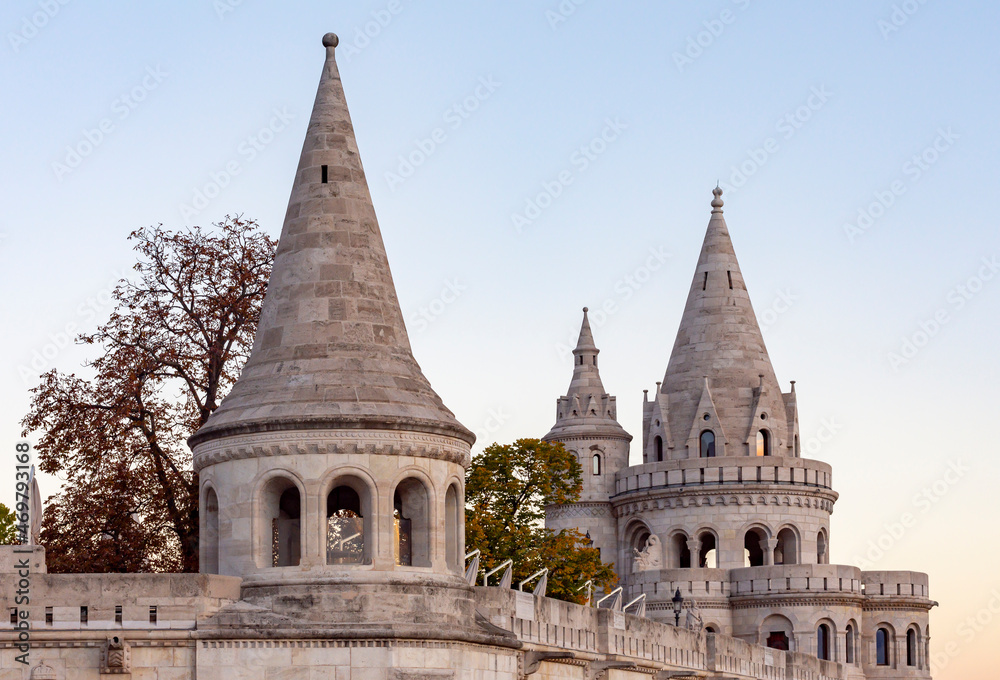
(239, 470)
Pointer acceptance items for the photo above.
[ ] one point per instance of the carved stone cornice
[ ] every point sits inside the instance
(639, 501)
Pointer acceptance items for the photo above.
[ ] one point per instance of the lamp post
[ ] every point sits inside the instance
(678, 603)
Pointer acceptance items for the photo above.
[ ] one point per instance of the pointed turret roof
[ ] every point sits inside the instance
(719, 340)
(586, 408)
(331, 349)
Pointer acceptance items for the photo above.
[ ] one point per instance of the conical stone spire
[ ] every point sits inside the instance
(331, 349)
(719, 341)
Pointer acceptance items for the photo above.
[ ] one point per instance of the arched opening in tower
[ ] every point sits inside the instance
(210, 534)
(286, 531)
(453, 520)
(707, 554)
(753, 548)
(786, 552)
(680, 552)
(345, 526)
(411, 524)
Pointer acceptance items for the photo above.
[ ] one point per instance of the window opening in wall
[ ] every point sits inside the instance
(882, 647)
(823, 642)
(681, 552)
(286, 529)
(778, 639)
(84, 615)
(658, 446)
(753, 549)
(48, 616)
(152, 614)
(786, 552)
(403, 528)
(730, 275)
(118, 614)
(596, 464)
(325, 175)
(707, 448)
(849, 644)
(707, 553)
(345, 527)
(13, 616)
(704, 282)
(763, 443)
(911, 647)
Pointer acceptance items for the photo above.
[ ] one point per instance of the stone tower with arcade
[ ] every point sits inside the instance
(723, 510)
(332, 475)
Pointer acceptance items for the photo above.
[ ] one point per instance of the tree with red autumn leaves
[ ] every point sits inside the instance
(175, 343)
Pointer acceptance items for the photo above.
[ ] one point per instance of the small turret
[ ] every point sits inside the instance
(586, 423)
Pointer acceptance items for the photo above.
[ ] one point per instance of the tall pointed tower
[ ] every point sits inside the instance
(333, 475)
(586, 423)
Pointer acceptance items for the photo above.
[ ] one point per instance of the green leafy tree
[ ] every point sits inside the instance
(8, 528)
(506, 491)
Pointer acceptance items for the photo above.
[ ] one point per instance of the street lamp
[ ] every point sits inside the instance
(678, 603)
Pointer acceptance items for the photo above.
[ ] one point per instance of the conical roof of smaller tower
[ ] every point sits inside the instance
(586, 408)
(719, 340)
(331, 350)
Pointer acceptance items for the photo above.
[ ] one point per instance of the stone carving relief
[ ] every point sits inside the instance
(117, 657)
(650, 557)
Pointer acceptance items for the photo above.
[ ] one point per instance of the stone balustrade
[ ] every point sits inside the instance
(738, 472)
(547, 625)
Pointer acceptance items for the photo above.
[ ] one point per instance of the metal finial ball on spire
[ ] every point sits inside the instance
(585, 310)
(331, 40)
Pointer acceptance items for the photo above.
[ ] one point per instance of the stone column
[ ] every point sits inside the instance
(694, 547)
(768, 545)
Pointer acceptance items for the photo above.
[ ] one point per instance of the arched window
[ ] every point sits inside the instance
(787, 550)
(710, 630)
(595, 463)
(763, 443)
(707, 554)
(707, 444)
(452, 522)
(345, 527)
(411, 524)
(821, 549)
(911, 647)
(849, 643)
(281, 527)
(753, 548)
(882, 647)
(209, 540)
(658, 446)
(823, 642)
(680, 553)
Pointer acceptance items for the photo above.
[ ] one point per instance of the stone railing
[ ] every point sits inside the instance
(895, 584)
(595, 635)
(708, 584)
(123, 601)
(797, 578)
(742, 471)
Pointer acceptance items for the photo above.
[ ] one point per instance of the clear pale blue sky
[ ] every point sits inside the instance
(209, 82)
